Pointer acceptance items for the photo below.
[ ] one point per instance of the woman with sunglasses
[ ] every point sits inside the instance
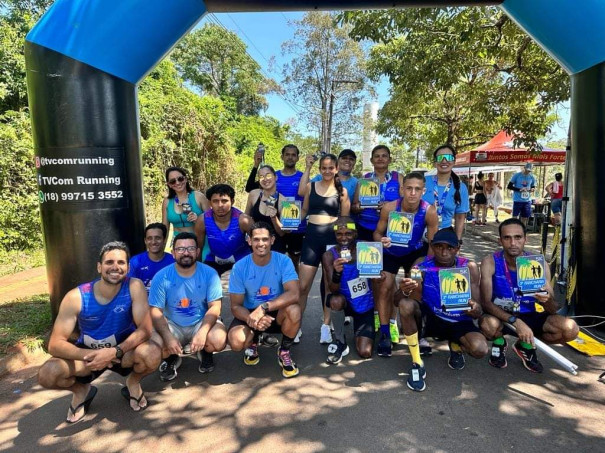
(183, 205)
(445, 192)
(264, 205)
(324, 202)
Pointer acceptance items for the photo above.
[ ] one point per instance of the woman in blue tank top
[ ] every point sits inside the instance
(183, 205)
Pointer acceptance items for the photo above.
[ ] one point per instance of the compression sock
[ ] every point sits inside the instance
(455, 347)
(286, 342)
(384, 328)
(338, 321)
(499, 341)
(256, 337)
(525, 345)
(412, 341)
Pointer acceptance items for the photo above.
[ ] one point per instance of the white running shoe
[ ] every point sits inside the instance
(326, 334)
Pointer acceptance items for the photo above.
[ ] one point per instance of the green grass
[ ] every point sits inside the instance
(19, 260)
(25, 321)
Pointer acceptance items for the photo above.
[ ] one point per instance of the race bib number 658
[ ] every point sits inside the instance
(358, 287)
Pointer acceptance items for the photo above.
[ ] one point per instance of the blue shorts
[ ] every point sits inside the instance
(523, 208)
(556, 205)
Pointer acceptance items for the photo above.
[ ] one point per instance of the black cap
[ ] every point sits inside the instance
(347, 152)
(446, 236)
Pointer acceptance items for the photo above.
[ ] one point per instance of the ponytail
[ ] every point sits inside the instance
(338, 185)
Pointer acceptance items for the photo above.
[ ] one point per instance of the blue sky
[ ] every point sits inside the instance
(263, 34)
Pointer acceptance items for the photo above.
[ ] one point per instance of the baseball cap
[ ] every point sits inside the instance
(446, 236)
(347, 153)
(529, 166)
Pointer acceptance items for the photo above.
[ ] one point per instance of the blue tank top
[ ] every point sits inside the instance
(180, 220)
(417, 231)
(505, 290)
(287, 185)
(430, 290)
(389, 191)
(357, 291)
(226, 246)
(105, 325)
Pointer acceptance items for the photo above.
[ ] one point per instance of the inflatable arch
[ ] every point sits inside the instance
(85, 57)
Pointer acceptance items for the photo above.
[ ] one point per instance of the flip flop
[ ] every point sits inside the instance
(86, 404)
(126, 394)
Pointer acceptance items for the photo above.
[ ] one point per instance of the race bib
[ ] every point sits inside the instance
(230, 260)
(358, 287)
(525, 195)
(93, 343)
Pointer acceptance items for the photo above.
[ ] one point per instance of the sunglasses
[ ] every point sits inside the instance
(445, 158)
(267, 177)
(174, 180)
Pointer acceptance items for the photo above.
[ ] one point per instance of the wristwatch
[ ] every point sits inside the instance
(511, 320)
(119, 352)
(265, 306)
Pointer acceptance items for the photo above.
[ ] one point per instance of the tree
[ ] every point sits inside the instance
(215, 61)
(323, 60)
(459, 75)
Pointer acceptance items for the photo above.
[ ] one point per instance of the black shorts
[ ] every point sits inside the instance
(273, 328)
(433, 326)
(363, 323)
(364, 234)
(293, 243)
(219, 268)
(392, 263)
(534, 320)
(317, 239)
(480, 198)
(116, 368)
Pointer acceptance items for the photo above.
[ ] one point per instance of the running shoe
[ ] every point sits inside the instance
(425, 347)
(394, 330)
(497, 359)
(169, 366)
(206, 362)
(456, 360)
(326, 334)
(268, 340)
(416, 378)
(384, 348)
(288, 367)
(336, 351)
(348, 320)
(297, 337)
(529, 358)
(251, 355)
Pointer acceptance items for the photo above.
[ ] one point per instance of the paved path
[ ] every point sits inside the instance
(23, 284)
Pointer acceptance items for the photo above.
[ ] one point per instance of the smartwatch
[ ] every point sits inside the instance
(511, 320)
(119, 352)
(265, 306)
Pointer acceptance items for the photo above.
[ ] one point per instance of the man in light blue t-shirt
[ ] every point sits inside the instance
(523, 185)
(185, 300)
(145, 265)
(263, 288)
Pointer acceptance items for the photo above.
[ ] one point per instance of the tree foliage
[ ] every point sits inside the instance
(459, 75)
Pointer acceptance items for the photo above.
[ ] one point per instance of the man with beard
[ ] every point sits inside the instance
(145, 265)
(113, 318)
(185, 301)
(264, 293)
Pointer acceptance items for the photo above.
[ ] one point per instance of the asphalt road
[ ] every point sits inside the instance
(356, 406)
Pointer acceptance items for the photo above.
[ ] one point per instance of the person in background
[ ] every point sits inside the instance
(493, 194)
(145, 265)
(555, 191)
(480, 201)
(523, 185)
(183, 205)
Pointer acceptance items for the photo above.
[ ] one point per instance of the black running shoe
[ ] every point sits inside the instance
(207, 362)
(456, 360)
(169, 366)
(529, 358)
(336, 351)
(497, 359)
(384, 348)
(416, 378)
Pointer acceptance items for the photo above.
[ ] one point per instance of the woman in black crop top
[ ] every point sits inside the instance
(480, 201)
(324, 202)
(264, 205)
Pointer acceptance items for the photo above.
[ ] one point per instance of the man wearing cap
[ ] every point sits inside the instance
(456, 326)
(522, 184)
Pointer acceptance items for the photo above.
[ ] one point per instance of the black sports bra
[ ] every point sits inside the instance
(319, 205)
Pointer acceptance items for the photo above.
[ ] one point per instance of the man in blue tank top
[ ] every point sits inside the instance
(264, 292)
(145, 265)
(418, 215)
(504, 303)
(115, 327)
(349, 295)
(225, 227)
(185, 300)
(458, 326)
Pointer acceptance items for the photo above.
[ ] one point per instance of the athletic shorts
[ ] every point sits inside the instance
(534, 320)
(219, 268)
(556, 205)
(365, 234)
(392, 263)
(363, 323)
(317, 238)
(184, 334)
(273, 328)
(293, 243)
(523, 208)
(116, 368)
(480, 199)
(434, 326)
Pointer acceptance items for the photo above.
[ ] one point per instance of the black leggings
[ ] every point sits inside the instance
(317, 238)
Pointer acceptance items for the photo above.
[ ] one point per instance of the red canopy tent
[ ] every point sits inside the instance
(499, 151)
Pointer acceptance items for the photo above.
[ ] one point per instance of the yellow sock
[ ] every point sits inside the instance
(455, 347)
(414, 348)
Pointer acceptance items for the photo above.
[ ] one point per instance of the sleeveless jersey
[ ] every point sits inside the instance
(503, 291)
(389, 191)
(226, 246)
(357, 291)
(105, 326)
(430, 290)
(557, 194)
(287, 185)
(180, 220)
(417, 231)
